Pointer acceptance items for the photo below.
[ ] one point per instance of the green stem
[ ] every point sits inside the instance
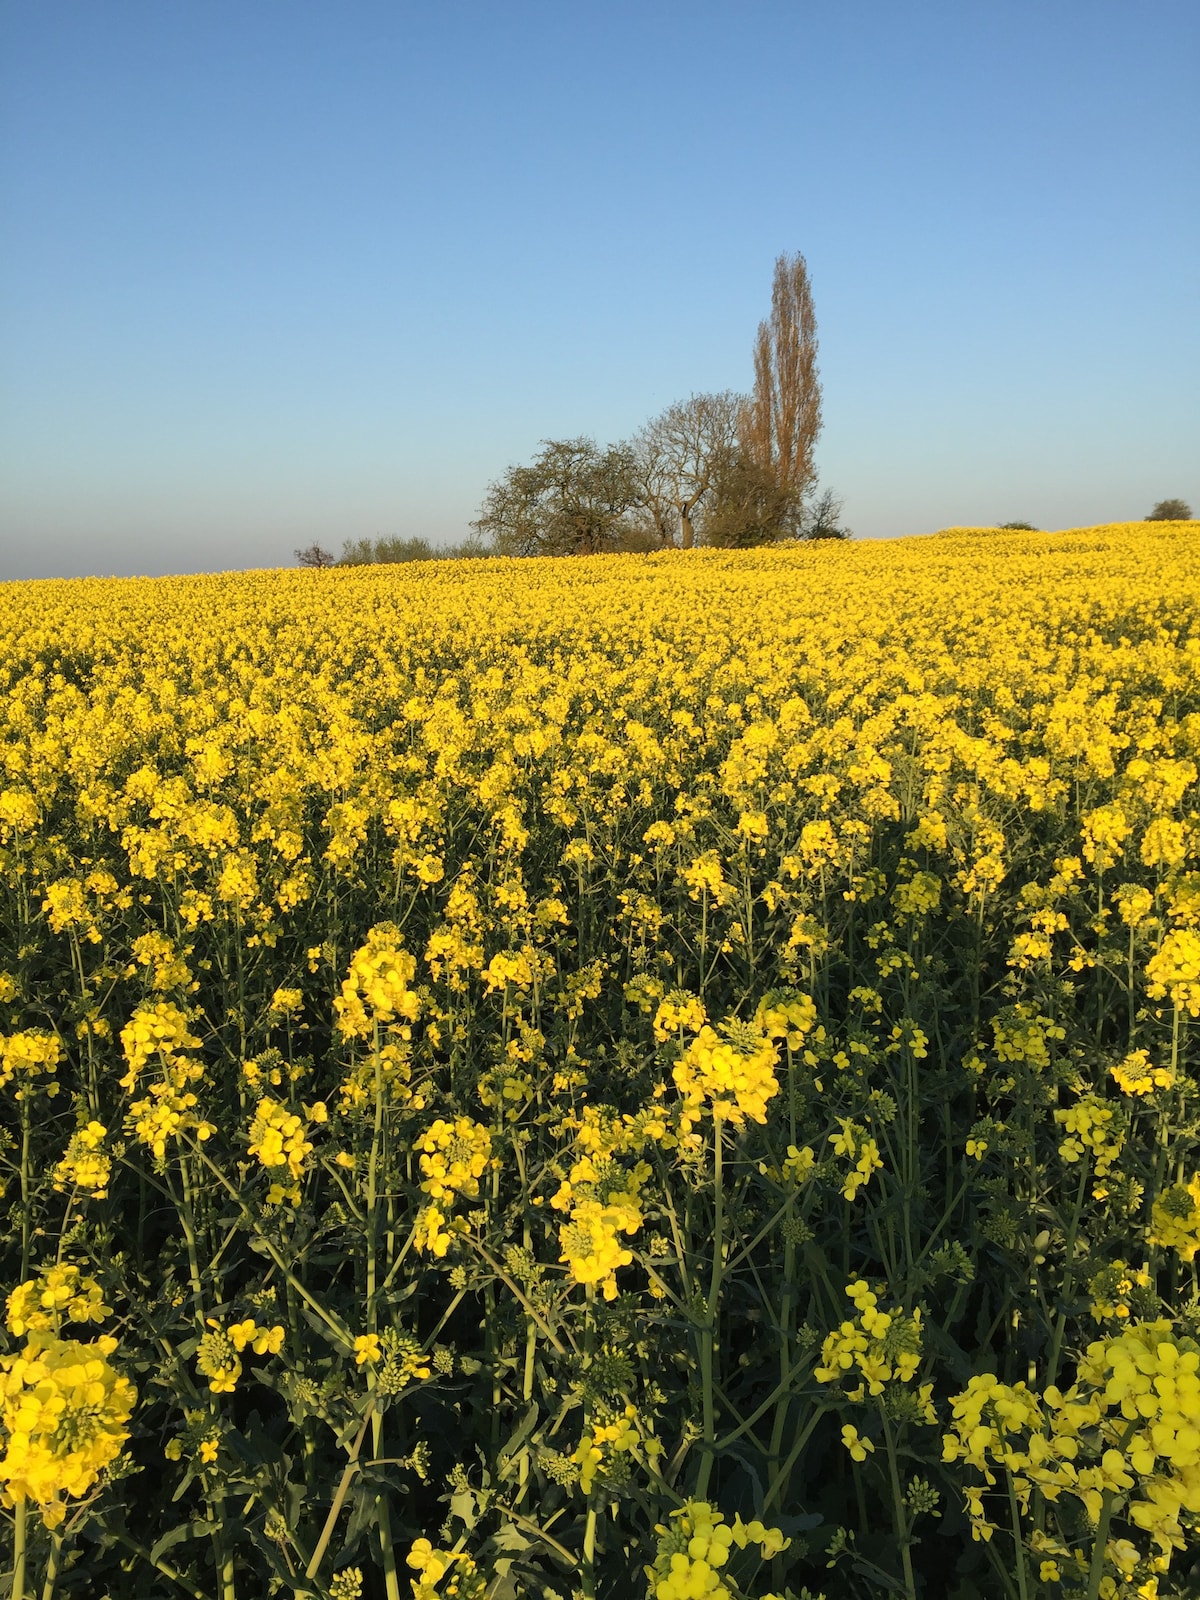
(1096, 1570)
(18, 1582)
(344, 1338)
(318, 1555)
(25, 1187)
(1018, 1542)
(56, 1540)
(159, 1565)
(793, 1456)
(372, 1175)
(1068, 1278)
(588, 1569)
(899, 1510)
(709, 1337)
(391, 1578)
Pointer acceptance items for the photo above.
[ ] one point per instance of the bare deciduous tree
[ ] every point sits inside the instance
(314, 555)
(679, 458)
(823, 519)
(780, 423)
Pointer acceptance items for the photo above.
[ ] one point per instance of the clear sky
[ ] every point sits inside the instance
(277, 270)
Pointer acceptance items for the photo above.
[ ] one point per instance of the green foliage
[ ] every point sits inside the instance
(370, 552)
(572, 500)
(1171, 511)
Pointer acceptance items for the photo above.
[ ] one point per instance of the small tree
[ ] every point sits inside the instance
(1171, 511)
(823, 519)
(1017, 527)
(572, 500)
(314, 555)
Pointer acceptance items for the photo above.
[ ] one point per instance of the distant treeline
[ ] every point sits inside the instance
(370, 552)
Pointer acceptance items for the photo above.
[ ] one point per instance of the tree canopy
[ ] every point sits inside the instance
(1171, 511)
(573, 499)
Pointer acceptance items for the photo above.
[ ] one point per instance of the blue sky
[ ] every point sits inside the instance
(276, 271)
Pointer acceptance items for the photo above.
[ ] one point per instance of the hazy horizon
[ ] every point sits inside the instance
(285, 275)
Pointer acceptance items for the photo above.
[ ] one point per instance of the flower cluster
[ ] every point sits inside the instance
(168, 1110)
(157, 1029)
(85, 1165)
(605, 1439)
(218, 1357)
(453, 1158)
(376, 990)
(278, 1139)
(444, 1574)
(733, 1078)
(58, 1294)
(603, 1201)
(29, 1055)
(696, 1545)
(877, 1348)
(1126, 1434)
(1176, 1219)
(852, 1141)
(64, 1414)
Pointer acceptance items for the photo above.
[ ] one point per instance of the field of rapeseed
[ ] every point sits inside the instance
(660, 1076)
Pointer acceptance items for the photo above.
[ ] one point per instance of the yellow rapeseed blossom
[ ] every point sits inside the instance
(878, 1348)
(58, 1294)
(85, 1166)
(1176, 1219)
(377, 988)
(63, 1415)
(453, 1158)
(277, 1137)
(694, 1547)
(731, 1077)
(157, 1029)
(27, 1056)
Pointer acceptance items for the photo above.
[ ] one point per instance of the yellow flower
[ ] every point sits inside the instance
(858, 1446)
(367, 1349)
(734, 1077)
(376, 990)
(63, 1410)
(277, 1137)
(263, 1341)
(453, 1158)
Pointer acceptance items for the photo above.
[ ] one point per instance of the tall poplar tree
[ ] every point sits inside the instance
(782, 418)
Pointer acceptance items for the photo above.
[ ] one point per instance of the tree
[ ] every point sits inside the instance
(781, 421)
(572, 500)
(749, 506)
(824, 519)
(678, 460)
(314, 556)
(1171, 511)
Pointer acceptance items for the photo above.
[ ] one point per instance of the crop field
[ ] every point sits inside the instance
(638, 1076)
